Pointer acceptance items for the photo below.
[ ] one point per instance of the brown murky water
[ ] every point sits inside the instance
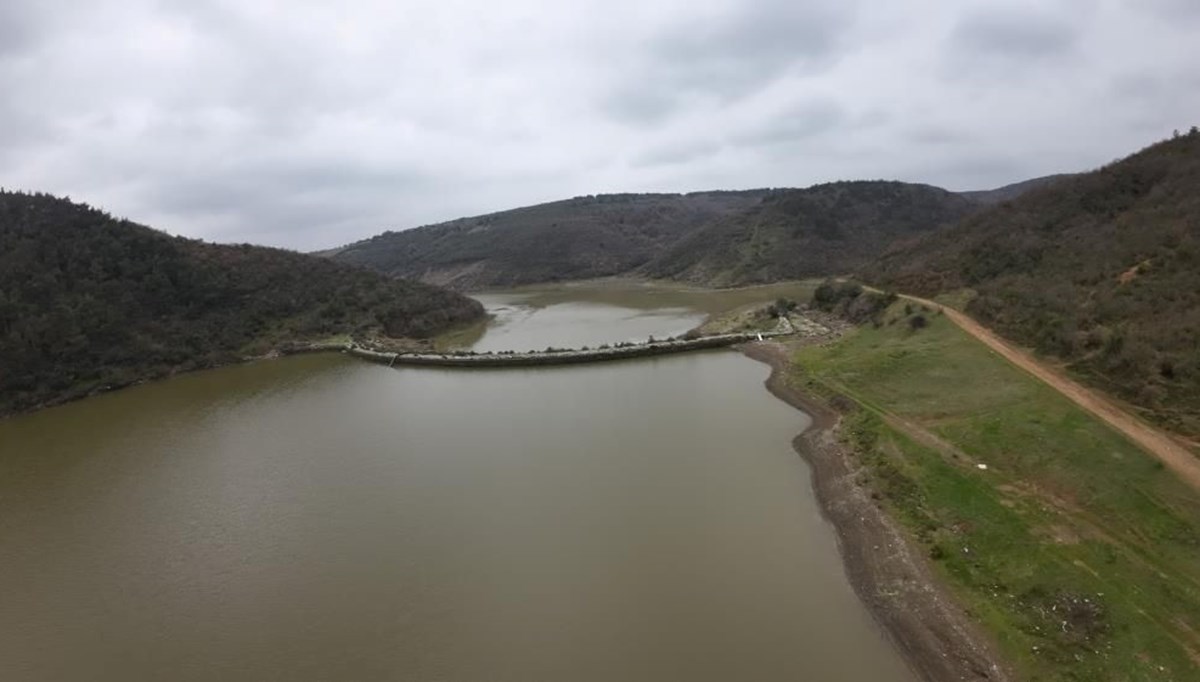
(317, 518)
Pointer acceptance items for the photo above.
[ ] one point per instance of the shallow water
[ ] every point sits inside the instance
(318, 518)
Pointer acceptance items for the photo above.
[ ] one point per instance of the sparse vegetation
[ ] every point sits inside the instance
(1079, 552)
(851, 301)
(782, 307)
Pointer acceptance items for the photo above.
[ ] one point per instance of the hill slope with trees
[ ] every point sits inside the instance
(580, 238)
(1100, 269)
(822, 230)
(89, 302)
(711, 238)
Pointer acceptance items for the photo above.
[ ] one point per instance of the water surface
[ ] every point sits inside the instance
(318, 518)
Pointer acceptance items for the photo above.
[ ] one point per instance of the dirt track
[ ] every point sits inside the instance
(1158, 443)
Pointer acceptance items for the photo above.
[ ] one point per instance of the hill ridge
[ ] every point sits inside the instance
(647, 235)
(88, 301)
(1099, 269)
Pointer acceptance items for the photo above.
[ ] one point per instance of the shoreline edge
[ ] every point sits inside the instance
(936, 638)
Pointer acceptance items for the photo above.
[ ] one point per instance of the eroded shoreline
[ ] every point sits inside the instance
(937, 639)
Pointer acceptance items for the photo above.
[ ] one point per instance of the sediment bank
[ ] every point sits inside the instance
(940, 642)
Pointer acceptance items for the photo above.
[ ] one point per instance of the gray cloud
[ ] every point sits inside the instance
(1008, 37)
(1185, 11)
(678, 152)
(728, 54)
(308, 124)
(20, 28)
(1155, 97)
(1015, 34)
(799, 122)
(925, 135)
(20, 128)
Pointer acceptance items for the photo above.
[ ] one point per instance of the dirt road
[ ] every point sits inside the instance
(1160, 444)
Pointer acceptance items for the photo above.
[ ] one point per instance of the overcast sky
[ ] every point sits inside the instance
(312, 124)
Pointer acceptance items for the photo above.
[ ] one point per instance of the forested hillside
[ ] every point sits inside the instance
(709, 238)
(581, 238)
(1100, 269)
(88, 301)
(797, 233)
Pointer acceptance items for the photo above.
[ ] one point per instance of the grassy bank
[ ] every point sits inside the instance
(1079, 552)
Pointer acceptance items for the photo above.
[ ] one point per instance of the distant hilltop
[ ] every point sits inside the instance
(710, 238)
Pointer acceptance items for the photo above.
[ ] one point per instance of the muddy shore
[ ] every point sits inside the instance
(938, 639)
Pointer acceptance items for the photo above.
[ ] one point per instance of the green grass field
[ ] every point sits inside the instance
(1078, 551)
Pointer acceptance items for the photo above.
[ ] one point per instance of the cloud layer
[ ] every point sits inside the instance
(306, 125)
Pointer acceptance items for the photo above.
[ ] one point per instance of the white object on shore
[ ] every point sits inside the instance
(981, 467)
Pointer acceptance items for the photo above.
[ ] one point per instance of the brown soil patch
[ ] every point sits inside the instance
(1061, 534)
(1192, 647)
(1132, 273)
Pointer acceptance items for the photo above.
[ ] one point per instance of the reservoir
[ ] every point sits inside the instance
(322, 518)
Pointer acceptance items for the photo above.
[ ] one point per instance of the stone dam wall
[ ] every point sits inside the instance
(557, 357)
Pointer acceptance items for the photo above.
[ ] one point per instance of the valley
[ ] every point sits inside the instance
(600, 341)
(998, 485)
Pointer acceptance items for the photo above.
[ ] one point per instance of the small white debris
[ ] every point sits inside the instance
(981, 467)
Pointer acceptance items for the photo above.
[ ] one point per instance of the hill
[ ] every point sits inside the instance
(713, 238)
(1100, 269)
(89, 302)
(1009, 192)
(827, 229)
(580, 238)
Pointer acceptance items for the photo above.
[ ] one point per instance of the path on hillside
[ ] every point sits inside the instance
(1160, 444)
